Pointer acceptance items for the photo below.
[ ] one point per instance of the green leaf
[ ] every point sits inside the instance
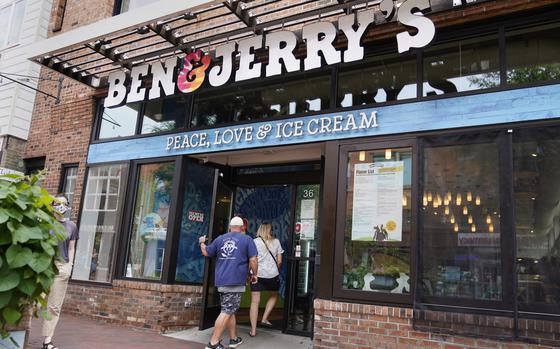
(15, 214)
(4, 216)
(40, 262)
(24, 233)
(27, 286)
(9, 281)
(47, 248)
(18, 256)
(11, 316)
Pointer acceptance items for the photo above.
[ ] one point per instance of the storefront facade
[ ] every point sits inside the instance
(411, 179)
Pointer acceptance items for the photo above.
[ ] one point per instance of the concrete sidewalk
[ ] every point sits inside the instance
(264, 339)
(79, 333)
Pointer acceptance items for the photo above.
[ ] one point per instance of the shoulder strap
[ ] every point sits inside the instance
(271, 255)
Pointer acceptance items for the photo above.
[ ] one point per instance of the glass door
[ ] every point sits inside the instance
(298, 318)
(223, 199)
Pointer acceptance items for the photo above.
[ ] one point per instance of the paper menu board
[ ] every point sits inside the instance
(377, 203)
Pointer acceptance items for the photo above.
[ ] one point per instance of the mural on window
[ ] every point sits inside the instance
(149, 222)
(461, 255)
(99, 222)
(197, 206)
(377, 234)
(537, 225)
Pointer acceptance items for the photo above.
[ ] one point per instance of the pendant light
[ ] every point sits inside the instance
(388, 154)
(491, 228)
(452, 219)
(470, 220)
(473, 228)
(456, 228)
(465, 211)
(489, 219)
(459, 199)
(477, 200)
(362, 156)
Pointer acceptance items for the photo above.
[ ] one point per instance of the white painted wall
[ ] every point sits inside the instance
(16, 102)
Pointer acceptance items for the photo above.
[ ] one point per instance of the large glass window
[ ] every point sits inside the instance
(164, 115)
(461, 255)
(462, 66)
(259, 102)
(378, 234)
(537, 194)
(197, 207)
(11, 20)
(382, 79)
(119, 121)
(533, 55)
(149, 221)
(99, 222)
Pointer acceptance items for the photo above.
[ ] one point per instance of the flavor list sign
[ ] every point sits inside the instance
(278, 131)
(377, 203)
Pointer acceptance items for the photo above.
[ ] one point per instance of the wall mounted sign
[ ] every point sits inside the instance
(197, 67)
(494, 108)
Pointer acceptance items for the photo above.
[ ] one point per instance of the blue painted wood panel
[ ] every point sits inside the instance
(536, 103)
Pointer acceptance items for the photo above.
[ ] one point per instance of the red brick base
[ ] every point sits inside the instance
(156, 307)
(348, 325)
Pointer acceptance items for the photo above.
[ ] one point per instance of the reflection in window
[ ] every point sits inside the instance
(149, 221)
(119, 121)
(461, 66)
(259, 102)
(197, 206)
(537, 193)
(164, 115)
(383, 79)
(378, 214)
(533, 55)
(461, 225)
(99, 222)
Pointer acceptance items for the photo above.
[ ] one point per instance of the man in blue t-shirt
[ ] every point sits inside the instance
(235, 254)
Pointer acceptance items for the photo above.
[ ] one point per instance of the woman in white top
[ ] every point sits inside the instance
(270, 260)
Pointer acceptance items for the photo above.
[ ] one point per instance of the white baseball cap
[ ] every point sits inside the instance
(236, 222)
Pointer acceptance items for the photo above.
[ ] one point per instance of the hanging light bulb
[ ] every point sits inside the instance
(473, 228)
(362, 156)
(435, 203)
(404, 201)
(477, 200)
(452, 219)
(465, 210)
(489, 219)
(459, 199)
(456, 228)
(469, 196)
(470, 220)
(446, 202)
(491, 228)
(430, 197)
(439, 201)
(449, 196)
(388, 154)
(446, 210)
(425, 200)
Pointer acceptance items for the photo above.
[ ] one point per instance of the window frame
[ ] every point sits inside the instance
(119, 223)
(63, 181)
(507, 231)
(357, 295)
(167, 272)
(12, 5)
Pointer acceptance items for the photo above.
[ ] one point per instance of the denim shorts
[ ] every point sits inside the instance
(230, 302)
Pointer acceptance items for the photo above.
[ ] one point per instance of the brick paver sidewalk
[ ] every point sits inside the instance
(79, 333)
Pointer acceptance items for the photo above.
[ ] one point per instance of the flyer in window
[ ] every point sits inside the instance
(377, 205)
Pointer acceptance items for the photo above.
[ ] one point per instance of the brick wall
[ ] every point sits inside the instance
(348, 325)
(12, 154)
(152, 306)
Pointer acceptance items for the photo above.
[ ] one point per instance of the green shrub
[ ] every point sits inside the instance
(27, 248)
